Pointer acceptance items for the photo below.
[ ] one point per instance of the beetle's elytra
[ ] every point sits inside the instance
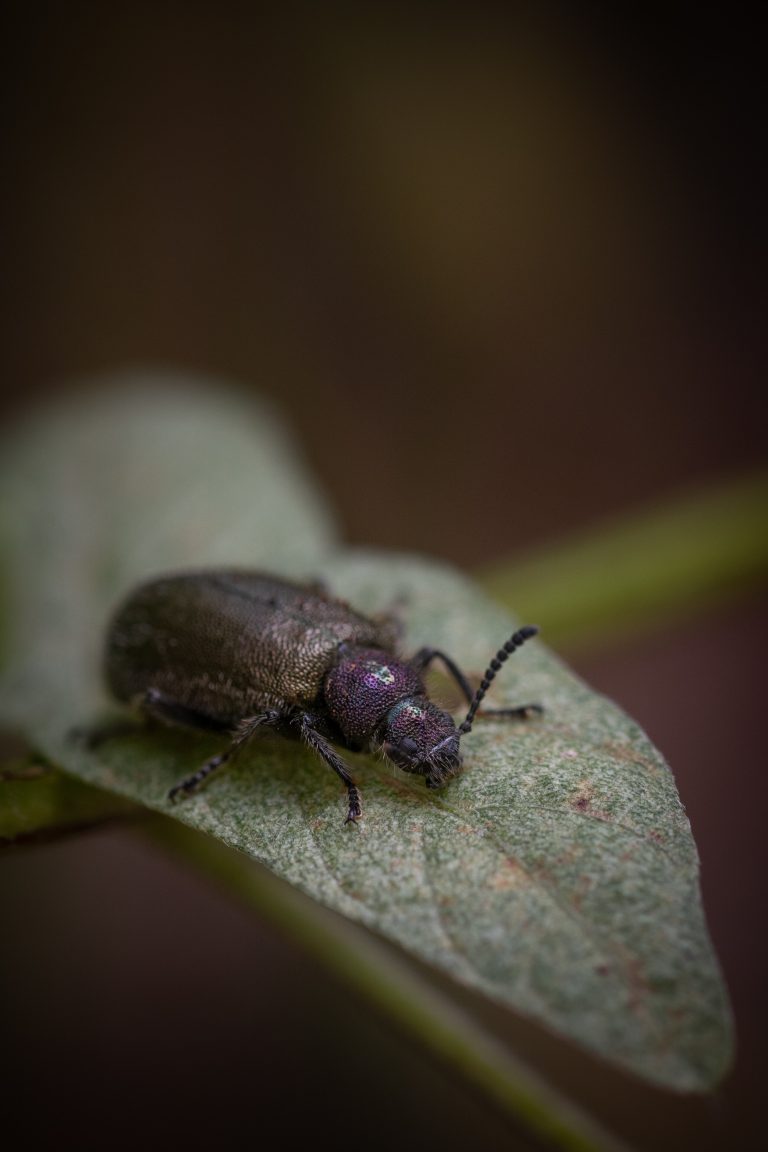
(240, 652)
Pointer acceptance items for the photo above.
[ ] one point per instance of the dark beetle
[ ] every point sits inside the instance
(239, 651)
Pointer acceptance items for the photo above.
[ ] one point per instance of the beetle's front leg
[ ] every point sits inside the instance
(424, 658)
(318, 743)
(242, 735)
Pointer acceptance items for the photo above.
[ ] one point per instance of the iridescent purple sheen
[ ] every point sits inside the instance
(420, 737)
(379, 701)
(236, 651)
(362, 688)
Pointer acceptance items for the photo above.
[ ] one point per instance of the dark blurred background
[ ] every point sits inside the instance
(498, 267)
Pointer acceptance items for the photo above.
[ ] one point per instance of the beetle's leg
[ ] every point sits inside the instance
(320, 745)
(192, 783)
(424, 658)
(157, 705)
(242, 735)
(521, 712)
(93, 737)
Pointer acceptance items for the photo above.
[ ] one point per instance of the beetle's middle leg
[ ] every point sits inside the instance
(154, 705)
(318, 743)
(242, 735)
(424, 658)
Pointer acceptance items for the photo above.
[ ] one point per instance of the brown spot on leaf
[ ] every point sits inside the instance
(468, 830)
(510, 875)
(583, 798)
(583, 802)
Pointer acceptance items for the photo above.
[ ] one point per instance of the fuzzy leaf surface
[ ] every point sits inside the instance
(557, 875)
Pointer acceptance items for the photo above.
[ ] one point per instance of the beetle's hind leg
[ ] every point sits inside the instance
(241, 737)
(521, 712)
(92, 737)
(153, 705)
(157, 706)
(192, 783)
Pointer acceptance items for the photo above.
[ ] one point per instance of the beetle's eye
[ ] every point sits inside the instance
(408, 746)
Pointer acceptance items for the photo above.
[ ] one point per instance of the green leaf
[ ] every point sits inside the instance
(557, 875)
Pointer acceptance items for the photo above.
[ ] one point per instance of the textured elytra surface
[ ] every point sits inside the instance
(557, 874)
(230, 642)
(138, 475)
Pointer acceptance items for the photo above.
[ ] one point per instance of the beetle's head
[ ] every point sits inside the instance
(419, 737)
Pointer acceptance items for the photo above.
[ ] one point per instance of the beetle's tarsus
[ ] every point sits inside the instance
(242, 735)
(192, 783)
(355, 809)
(186, 788)
(521, 712)
(317, 742)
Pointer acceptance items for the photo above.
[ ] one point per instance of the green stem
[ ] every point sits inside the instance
(637, 574)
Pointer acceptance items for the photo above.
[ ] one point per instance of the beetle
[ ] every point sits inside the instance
(241, 652)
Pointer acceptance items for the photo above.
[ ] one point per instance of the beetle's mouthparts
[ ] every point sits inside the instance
(443, 762)
(439, 753)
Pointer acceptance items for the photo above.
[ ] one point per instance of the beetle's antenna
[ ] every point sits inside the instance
(516, 640)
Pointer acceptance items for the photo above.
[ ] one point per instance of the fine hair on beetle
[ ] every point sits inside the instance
(241, 652)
